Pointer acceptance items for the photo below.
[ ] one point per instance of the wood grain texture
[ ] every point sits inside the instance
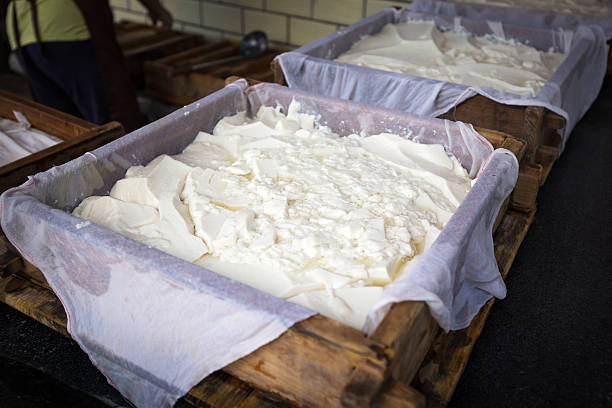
(438, 376)
(365, 374)
(34, 301)
(532, 129)
(407, 330)
(140, 43)
(17, 172)
(525, 192)
(174, 79)
(221, 390)
(279, 77)
(397, 395)
(484, 112)
(52, 121)
(546, 157)
(331, 356)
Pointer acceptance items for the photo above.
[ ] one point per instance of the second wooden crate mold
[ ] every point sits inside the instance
(544, 121)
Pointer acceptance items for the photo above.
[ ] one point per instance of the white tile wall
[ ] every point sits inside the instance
(287, 22)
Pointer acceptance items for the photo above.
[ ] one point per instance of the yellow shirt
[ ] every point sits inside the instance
(58, 20)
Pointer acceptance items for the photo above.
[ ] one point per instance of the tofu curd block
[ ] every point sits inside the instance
(419, 48)
(291, 208)
(580, 8)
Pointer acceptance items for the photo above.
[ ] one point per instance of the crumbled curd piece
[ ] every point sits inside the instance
(290, 208)
(419, 48)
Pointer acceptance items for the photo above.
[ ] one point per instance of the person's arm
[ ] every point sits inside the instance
(157, 12)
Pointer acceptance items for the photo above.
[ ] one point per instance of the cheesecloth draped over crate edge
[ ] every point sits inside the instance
(156, 325)
(569, 93)
(511, 15)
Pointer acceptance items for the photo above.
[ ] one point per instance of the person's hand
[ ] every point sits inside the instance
(158, 13)
(163, 16)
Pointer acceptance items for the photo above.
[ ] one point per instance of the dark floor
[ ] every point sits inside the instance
(548, 344)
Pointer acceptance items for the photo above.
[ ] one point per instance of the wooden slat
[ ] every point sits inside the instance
(546, 157)
(438, 376)
(534, 117)
(163, 42)
(518, 147)
(173, 80)
(553, 121)
(495, 137)
(167, 63)
(49, 120)
(182, 89)
(221, 390)
(279, 77)
(319, 372)
(408, 330)
(396, 395)
(141, 43)
(484, 112)
(34, 301)
(16, 173)
(524, 195)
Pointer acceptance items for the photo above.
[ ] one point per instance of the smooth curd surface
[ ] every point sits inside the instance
(580, 8)
(419, 48)
(291, 208)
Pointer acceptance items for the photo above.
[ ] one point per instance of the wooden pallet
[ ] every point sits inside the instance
(141, 43)
(538, 127)
(78, 135)
(441, 369)
(252, 380)
(317, 362)
(172, 79)
(525, 193)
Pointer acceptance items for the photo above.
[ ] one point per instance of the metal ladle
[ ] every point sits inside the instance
(252, 45)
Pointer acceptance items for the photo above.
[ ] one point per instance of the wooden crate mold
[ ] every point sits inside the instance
(176, 79)
(78, 135)
(141, 43)
(538, 127)
(317, 362)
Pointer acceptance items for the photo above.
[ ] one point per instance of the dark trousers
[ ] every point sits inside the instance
(65, 75)
(119, 89)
